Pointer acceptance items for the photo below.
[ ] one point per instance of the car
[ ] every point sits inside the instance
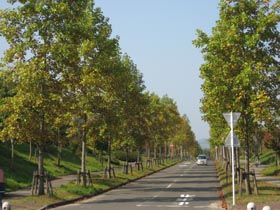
(201, 160)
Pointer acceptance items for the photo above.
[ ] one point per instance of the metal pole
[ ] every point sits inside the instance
(232, 159)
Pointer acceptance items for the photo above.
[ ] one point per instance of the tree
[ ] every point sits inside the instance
(155, 121)
(240, 70)
(57, 49)
(91, 57)
(7, 89)
(272, 141)
(30, 32)
(170, 123)
(129, 87)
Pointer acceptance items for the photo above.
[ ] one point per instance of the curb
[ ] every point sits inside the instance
(225, 204)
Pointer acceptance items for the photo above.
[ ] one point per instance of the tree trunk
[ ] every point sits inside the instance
(41, 155)
(247, 160)
(41, 169)
(59, 148)
(109, 159)
(30, 150)
(165, 149)
(155, 152)
(126, 159)
(12, 152)
(126, 155)
(160, 153)
(148, 152)
(138, 155)
(84, 146)
(181, 152)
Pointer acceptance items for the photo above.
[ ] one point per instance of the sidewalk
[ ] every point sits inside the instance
(270, 179)
(27, 191)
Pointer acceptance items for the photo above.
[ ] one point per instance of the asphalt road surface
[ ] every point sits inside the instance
(185, 185)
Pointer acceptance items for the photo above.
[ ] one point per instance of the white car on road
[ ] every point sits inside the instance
(201, 160)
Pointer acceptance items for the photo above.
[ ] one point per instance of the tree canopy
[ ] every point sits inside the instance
(64, 74)
(241, 68)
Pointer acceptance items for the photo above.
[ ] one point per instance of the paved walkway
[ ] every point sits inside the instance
(27, 191)
(270, 179)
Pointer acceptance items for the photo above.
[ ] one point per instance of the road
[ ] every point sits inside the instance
(181, 186)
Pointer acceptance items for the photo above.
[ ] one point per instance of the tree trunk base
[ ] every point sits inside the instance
(109, 172)
(35, 183)
(85, 178)
(246, 176)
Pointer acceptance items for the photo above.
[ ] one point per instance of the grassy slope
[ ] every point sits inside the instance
(268, 158)
(18, 173)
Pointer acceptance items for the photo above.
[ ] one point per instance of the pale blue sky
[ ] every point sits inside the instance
(157, 35)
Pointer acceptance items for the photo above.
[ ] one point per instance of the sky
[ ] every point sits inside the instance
(157, 35)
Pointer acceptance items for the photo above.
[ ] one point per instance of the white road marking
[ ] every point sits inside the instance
(162, 206)
(184, 199)
(170, 185)
(211, 206)
(181, 203)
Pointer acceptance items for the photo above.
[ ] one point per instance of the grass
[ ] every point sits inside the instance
(19, 171)
(266, 192)
(271, 171)
(267, 158)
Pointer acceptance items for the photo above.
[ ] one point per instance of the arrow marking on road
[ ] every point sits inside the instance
(184, 199)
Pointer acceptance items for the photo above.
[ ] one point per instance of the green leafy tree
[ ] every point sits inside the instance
(93, 56)
(7, 89)
(185, 137)
(129, 90)
(30, 31)
(240, 70)
(155, 121)
(162, 117)
(272, 141)
(171, 120)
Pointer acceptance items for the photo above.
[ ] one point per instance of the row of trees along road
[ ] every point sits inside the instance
(241, 71)
(64, 78)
